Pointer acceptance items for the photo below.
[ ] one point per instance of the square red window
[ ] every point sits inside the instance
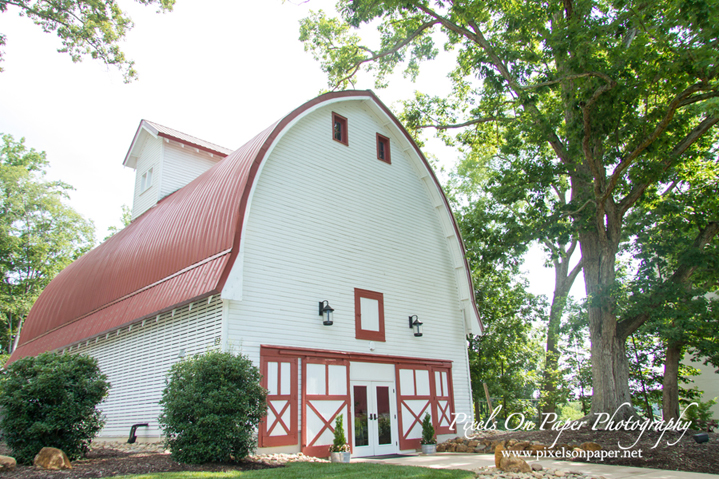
(383, 149)
(369, 315)
(339, 129)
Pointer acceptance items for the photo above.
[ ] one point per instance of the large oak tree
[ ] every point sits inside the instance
(612, 97)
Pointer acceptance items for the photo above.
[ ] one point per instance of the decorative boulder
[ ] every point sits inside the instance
(7, 463)
(514, 464)
(52, 458)
(591, 446)
(498, 455)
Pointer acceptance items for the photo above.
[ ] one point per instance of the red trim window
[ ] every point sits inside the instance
(369, 315)
(383, 153)
(339, 129)
(279, 377)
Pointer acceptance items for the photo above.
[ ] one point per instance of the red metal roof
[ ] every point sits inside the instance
(180, 250)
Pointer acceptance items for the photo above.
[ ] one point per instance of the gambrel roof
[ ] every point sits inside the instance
(180, 250)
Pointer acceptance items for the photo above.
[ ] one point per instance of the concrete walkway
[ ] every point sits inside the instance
(475, 461)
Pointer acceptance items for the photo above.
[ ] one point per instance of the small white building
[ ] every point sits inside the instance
(241, 251)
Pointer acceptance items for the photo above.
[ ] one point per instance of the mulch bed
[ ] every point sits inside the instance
(686, 455)
(110, 462)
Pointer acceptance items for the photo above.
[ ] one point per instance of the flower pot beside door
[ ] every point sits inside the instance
(429, 449)
(428, 441)
(339, 450)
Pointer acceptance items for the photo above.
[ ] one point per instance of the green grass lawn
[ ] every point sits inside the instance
(299, 470)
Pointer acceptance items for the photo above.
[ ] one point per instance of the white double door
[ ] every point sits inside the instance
(374, 418)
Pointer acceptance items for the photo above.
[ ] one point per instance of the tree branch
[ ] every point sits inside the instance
(575, 271)
(680, 148)
(599, 176)
(466, 123)
(571, 213)
(658, 130)
(478, 38)
(698, 98)
(569, 77)
(680, 277)
(392, 50)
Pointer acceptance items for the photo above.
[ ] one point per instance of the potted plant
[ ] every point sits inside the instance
(339, 450)
(428, 441)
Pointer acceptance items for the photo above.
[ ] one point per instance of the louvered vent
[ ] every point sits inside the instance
(136, 360)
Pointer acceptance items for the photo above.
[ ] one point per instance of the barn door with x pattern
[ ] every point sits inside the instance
(279, 377)
(325, 384)
(415, 400)
(442, 400)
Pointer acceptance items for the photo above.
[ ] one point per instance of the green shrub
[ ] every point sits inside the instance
(340, 442)
(211, 406)
(428, 431)
(701, 416)
(51, 401)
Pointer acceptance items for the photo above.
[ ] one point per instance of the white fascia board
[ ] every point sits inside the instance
(133, 154)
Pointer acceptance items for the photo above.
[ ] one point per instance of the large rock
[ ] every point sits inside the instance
(498, 455)
(7, 463)
(591, 446)
(52, 458)
(514, 464)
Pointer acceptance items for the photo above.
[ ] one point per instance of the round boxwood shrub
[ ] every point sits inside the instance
(51, 401)
(211, 406)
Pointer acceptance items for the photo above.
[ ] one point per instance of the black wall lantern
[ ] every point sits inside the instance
(326, 311)
(416, 324)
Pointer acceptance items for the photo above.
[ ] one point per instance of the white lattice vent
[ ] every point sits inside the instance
(137, 359)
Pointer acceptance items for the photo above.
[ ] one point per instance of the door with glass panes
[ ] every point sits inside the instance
(374, 418)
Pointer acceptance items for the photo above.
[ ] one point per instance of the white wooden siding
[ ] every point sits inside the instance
(137, 359)
(150, 157)
(326, 218)
(182, 165)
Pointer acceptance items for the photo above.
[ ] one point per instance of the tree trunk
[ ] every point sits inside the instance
(610, 367)
(551, 360)
(670, 386)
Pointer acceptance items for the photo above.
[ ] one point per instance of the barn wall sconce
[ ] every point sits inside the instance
(416, 324)
(326, 312)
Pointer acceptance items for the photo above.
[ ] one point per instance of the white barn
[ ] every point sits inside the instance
(333, 204)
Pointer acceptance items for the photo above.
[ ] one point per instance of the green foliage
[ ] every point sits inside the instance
(212, 405)
(428, 436)
(572, 411)
(701, 416)
(85, 27)
(51, 401)
(39, 235)
(507, 357)
(125, 220)
(576, 357)
(340, 440)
